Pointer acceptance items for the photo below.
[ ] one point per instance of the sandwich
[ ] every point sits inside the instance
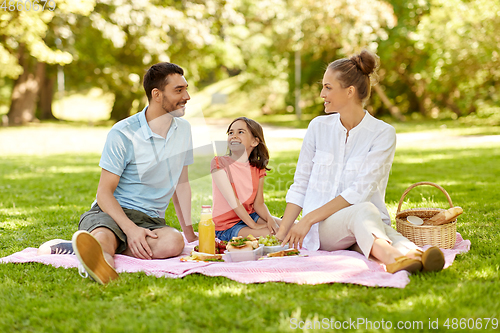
(197, 256)
(242, 244)
(284, 253)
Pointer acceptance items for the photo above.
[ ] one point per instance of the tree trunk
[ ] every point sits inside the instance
(394, 110)
(121, 106)
(450, 103)
(25, 91)
(46, 97)
(419, 96)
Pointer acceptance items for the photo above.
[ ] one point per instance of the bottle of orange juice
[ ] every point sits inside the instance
(206, 231)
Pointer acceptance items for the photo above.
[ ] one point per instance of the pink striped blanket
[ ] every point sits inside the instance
(315, 268)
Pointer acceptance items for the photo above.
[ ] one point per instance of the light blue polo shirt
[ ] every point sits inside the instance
(149, 165)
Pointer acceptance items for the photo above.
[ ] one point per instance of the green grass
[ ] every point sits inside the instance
(42, 196)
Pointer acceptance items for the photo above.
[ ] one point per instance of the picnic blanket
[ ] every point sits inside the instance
(315, 268)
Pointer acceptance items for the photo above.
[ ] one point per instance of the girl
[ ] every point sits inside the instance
(342, 175)
(238, 184)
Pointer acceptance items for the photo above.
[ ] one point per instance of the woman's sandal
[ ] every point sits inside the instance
(432, 259)
(404, 264)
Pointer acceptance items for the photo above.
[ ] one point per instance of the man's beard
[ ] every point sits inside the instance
(172, 110)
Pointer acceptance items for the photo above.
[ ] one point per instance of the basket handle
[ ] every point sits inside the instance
(423, 183)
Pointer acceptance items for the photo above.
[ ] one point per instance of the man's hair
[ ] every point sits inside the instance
(157, 76)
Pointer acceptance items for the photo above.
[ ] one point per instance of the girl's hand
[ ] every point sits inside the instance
(258, 226)
(297, 233)
(272, 225)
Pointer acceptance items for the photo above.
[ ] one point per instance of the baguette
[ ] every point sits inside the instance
(445, 216)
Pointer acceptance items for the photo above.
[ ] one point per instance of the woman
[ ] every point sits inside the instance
(342, 175)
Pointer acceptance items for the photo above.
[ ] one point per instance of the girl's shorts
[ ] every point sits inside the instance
(228, 234)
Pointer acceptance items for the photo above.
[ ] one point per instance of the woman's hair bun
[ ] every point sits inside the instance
(366, 62)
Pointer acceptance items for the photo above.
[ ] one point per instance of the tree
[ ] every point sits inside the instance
(462, 40)
(116, 44)
(271, 32)
(24, 49)
(442, 55)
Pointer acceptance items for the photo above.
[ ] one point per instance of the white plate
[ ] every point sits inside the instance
(415, 220)
(244, 255)
(276, 248)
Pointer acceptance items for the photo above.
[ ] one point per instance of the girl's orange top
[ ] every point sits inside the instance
(244, 179)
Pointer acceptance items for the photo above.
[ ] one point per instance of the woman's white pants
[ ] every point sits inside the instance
(361, 224)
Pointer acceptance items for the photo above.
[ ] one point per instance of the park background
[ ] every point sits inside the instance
(67, 75)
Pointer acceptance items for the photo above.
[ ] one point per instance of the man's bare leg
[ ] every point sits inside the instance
(169, 243)
(108, 242)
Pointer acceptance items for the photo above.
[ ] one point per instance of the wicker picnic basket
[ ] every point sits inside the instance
(443, 236)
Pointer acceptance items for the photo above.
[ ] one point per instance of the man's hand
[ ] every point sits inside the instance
(137, 243)
(297, 233)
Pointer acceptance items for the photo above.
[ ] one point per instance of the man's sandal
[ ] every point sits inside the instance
(90, 254)
(404, 264)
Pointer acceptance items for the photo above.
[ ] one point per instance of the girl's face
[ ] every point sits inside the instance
(240, 137)
(336, 98)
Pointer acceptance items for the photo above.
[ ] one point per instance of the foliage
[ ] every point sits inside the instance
(272, 31)
(29, 27)
(462, 42)
(438, 57)
(42, 197)
(442, 55)
(121, 39)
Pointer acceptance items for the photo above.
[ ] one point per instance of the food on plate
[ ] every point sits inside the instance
(220, 247)
(240, 243)
(269, 240)
(445, 216)
(284, 253)
(197, 256)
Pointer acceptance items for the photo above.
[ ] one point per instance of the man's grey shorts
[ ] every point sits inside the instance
(96, 218)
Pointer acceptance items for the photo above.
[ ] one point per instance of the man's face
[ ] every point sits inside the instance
(175, 95)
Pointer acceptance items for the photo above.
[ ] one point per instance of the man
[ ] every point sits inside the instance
(144, 164)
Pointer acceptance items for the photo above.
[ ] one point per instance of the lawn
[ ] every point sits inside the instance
(42, 194)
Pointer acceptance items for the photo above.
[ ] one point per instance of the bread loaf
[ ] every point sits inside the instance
(445, 216)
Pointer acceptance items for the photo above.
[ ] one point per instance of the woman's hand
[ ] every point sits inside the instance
(281, 234)
(297, 233)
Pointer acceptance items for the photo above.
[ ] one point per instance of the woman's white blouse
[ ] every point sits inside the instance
(331, 164)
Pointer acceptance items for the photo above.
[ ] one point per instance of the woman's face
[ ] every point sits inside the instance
(336, 98)
(240, 137)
